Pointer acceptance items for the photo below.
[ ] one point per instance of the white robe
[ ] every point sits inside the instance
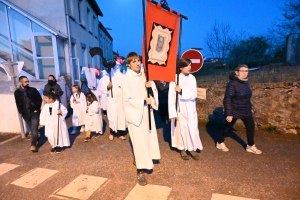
(103, 96)
(185, 136)
(51, 124)
(90, 74)
(79, 109)
(94, 118)
(144, 142)
(115, 111)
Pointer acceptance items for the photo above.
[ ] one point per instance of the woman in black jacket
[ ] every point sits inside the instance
(237, 104)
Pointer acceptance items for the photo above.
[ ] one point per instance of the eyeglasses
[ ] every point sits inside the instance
(244, 70)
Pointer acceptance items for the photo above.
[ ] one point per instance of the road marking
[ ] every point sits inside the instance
(195, 61)
(149, 192)
(34, 178)
(6, 167)
(82, 187)
(228, 197)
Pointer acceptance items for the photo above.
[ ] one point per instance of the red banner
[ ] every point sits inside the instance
(162, 42)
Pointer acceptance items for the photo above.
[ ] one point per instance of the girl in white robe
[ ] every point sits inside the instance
(115, 111)
(135, 103)
(93, 118)
(78, 103)
(185, 135)
(53, 118)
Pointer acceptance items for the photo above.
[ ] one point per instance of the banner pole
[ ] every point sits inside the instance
(177, 66)
(146, 60)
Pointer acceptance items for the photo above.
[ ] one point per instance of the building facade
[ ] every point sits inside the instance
(53, 39)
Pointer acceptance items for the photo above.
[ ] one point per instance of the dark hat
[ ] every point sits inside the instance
(240, 66)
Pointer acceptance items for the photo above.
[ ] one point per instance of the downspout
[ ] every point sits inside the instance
(69, 43)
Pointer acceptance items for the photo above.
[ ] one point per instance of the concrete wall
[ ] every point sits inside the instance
(52, 13)
(275, 105)
(9, 122)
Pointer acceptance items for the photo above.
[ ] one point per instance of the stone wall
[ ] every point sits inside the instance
(276, 105)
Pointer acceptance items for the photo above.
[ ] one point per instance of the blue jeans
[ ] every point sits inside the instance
(33, 122)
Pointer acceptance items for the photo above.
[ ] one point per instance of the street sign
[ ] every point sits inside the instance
(196, 58)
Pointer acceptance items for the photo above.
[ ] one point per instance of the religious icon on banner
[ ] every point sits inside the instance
(160, 41)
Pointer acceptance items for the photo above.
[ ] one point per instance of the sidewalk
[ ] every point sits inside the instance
(103, 169)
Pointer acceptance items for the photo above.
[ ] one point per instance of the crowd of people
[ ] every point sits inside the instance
(128, 101)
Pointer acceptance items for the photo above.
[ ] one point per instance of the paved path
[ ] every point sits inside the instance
(103, 169)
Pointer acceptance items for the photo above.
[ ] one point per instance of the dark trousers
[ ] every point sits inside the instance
(249, 124)
(33, 122)
(120, 132)
(164, 113)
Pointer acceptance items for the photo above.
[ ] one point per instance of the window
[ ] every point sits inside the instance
(82, 64)
(43, 45)
(61, 57)
(4, 50)
(79, 11)
(19, 30)
(94, 26)
(46, 67)
(38, 28)
(3, 20)
(88, 21)
(20, 55)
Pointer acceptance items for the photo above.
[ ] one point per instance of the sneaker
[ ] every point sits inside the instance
(74, 132)
(53, 149)
(33, 148)
(253, 149)
(222, 147)
(97, 134)
(87, 139)
(123, 137)
(184, 155)
(194, 155)
(111, 137)
(58, 150)
(141, 179)
(82, 129)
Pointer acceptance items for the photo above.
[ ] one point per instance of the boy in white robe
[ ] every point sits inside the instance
(53, 118)
(93, 117)
(185, 135)
(78, 104)
(115, 111)
(135, 103)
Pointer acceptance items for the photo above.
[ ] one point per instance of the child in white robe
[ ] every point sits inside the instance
(78, 103)
(185, 135)
(53, 118)
(93, 117)
(135, 103)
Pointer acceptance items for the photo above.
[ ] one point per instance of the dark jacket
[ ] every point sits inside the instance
(237, 99)
(163, 92)
(56, 88)
(34, 97)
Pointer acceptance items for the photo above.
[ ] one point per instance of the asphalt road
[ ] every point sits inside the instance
(275, 174)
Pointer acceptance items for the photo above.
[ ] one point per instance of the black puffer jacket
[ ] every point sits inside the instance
(237, 99)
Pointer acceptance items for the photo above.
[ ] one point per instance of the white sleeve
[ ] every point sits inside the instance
(172, 100)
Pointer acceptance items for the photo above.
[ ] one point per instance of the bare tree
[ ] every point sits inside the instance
(291, 17)
(219, 40)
